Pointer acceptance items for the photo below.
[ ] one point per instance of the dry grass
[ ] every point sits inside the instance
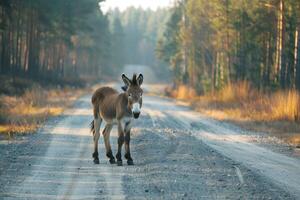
(182, 92)
(25, 113)
(276, 113)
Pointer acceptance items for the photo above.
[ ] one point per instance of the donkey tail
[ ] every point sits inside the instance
(92, 127)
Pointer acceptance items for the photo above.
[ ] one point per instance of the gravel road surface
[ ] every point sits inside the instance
(178, 154)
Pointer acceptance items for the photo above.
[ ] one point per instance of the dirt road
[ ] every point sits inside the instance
(178, 154)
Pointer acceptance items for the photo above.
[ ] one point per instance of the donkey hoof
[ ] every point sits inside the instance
(119, 162)
(130, 162)
(96, 161)
(112, 161)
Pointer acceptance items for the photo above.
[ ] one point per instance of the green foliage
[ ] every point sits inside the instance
(212, 43)
(168, 46)
(54, 39)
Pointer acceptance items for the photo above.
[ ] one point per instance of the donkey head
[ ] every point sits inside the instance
(134, 93)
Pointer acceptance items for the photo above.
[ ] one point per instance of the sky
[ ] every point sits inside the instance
(123, 4)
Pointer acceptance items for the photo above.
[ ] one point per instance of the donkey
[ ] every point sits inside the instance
(116, 108)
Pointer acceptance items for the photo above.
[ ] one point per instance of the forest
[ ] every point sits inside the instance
(210, 44)
(53, 40)
(207, 44)
(64, 40)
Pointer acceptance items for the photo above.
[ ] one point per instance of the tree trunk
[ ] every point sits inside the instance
(279, 66)
(3, 43)
(297, 54)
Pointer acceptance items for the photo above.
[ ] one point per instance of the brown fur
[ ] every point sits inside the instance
(115, 108)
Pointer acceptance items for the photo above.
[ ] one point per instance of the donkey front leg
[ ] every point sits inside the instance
(120, 143)
(127, 141)
(97, 124)
(106, 134)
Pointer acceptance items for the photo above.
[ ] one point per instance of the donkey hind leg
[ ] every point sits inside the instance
(106, 135)
(120, 143)
(96, 133)
(127, 141)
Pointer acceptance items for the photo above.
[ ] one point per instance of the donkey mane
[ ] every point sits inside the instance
(134, 80)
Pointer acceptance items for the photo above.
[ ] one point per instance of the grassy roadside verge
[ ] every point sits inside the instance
(274, 113)
(22, 112)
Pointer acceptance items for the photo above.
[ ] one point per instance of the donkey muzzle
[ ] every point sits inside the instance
(136, 115)
(136, 110)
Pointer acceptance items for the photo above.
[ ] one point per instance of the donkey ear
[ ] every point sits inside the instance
(140, 79)
(126, 80)
(124, 88)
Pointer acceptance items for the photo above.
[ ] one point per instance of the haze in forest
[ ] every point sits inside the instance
(146, 4)
(207, 44)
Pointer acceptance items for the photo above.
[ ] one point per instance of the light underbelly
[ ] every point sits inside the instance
(109, 120)
(115, 121)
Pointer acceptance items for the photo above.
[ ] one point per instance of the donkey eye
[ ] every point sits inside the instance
(129, 95)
